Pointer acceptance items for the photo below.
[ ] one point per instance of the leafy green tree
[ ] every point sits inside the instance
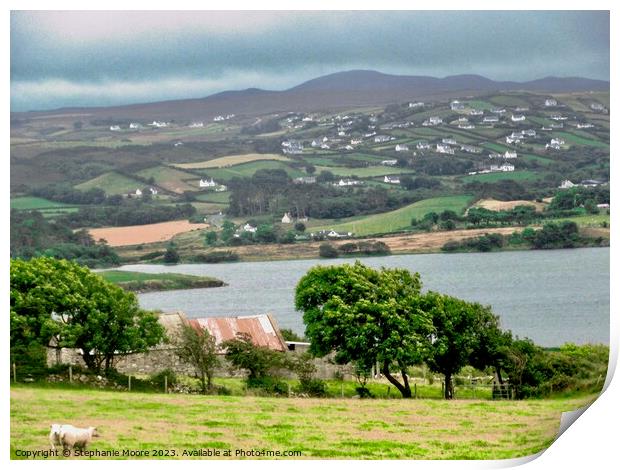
(228, 230)
(171, 256)
(300, 227)
(210, 238)
(365, 316)
(265, 233)
(326, 250)
(455, 335)
(62, 300)
(258, 361)
(197, 347)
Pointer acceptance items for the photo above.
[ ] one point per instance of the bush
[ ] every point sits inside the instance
(327, 251)
(272, 385)
(215, 257)
(158, 379)
(313, 387)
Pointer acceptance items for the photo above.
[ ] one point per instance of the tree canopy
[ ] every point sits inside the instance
(365, 316)
(59, 299)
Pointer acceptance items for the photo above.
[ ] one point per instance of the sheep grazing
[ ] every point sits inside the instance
(55, 435)
(72, 437)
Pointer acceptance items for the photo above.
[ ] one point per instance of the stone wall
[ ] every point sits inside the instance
(159, 359)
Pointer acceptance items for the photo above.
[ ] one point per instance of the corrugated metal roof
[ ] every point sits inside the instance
(261, 328)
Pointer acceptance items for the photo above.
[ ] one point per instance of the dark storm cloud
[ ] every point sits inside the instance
(66, 58)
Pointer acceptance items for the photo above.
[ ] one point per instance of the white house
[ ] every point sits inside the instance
(391, 179)
(442, 148)
(433, 121)
(138, 192)
(470, 148)
(286, 218)
(448, 141)
(207, 183)
(517, 118)
(356, 141)
(490, 119)
(550, 102)
(456, 105)
(498, 110)
(115, 128)
(401, 148)
(510, 154)
(520, 109)
(221, 188)
(567, 184)
(513, 139)
(196, 124)
(597, 107)
(417, 104)
(158, 124)
(585, 125)
(383, 138)
(347, 182)
(507, 167)
(529, 133)
(249, 228)
(476, 112)
(558, 117)
(423, 145)
(389, 162)
(135, 125)
(153, 191)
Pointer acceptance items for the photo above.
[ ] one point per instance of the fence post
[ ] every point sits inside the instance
(288, 386)
(129, 383)
(70, 373)
(341, 389)
(14, 373)
(388, 391)
(165, 384)
(415, 390)
(442, 390)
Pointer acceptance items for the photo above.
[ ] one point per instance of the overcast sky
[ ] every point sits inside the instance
(93, 58)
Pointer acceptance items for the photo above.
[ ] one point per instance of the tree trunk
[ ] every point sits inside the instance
(203, 381)
(209, 380)
(498, 373)
(90, 361)
(448, 390)
(405, 390)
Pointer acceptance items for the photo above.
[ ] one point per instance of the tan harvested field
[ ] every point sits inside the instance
(399, 244)
(495, 205)
(137, 234)
(232, 160)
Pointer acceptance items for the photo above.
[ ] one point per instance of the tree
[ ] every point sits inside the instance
(210, 238)
(327, 250)
(258, 361)
(197, 347)
(59, 299)
(454, 337)
(172, 255)
(310, 168)
(228, 230)
(365, 316)
(300, 227)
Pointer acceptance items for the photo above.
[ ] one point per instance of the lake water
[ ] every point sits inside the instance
(552, 297)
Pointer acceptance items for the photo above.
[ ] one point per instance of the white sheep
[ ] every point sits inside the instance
(55, 434)
(72, 437)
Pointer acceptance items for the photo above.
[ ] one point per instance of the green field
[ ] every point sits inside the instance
(112, 183)
(508, 100)
(170, 179)
(364, 172)
(135, 281)
(211, 196)
(504, 175)
(399, 219)
(578, 140)
(248, 169)
(353, 429)
(27, 203)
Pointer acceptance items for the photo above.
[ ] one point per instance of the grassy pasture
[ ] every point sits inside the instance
(169, 178)
(504, 175)
(508, 100)
(399, 219)
(248, 169)
(211, 196)
(579, 140)
(232, 160)
(26, 203)
(353, 429)
(112, 183)
(364, 172)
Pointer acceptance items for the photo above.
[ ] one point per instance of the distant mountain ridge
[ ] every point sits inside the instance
(334, 91)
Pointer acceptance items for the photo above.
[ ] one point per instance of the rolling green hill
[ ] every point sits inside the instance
(399, 219)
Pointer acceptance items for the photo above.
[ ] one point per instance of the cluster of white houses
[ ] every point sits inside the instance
(211, 184)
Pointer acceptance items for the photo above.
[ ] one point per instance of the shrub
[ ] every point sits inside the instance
(327, 251)
(158, 379)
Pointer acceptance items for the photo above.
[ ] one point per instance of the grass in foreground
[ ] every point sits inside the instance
(399, 219)
(348, 429)
(142, 282)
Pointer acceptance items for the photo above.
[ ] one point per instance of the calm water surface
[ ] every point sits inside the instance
(551, 296)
